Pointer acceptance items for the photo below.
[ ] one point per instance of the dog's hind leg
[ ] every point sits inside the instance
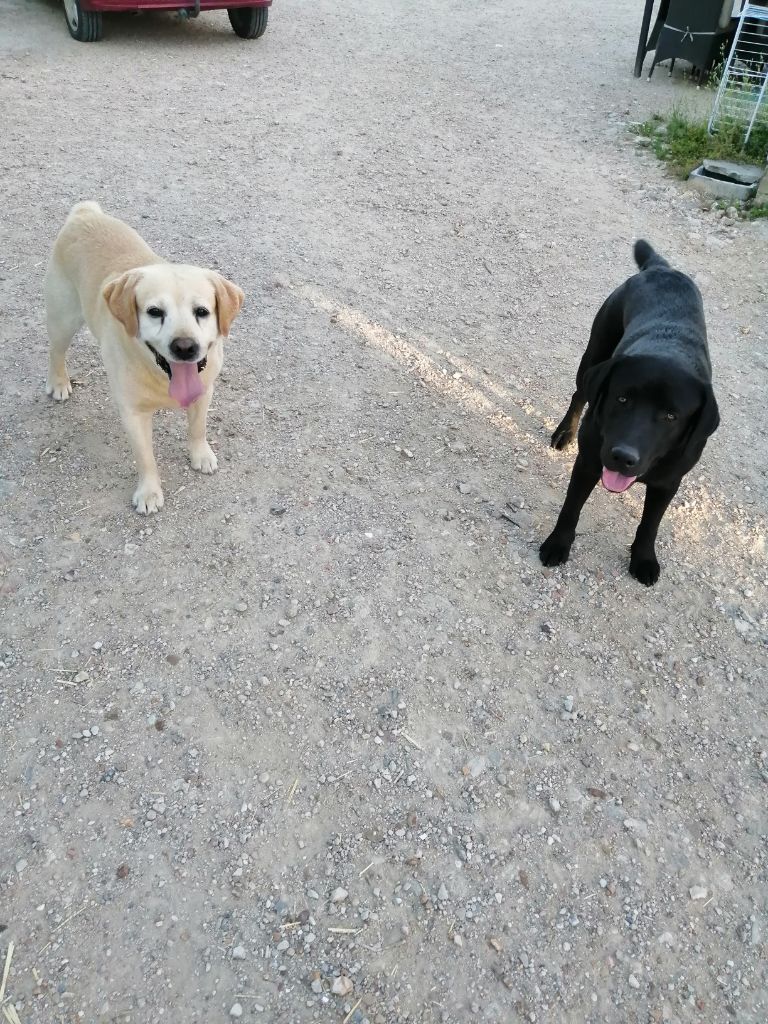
(606, 333)
(566, 429)
(64, 317)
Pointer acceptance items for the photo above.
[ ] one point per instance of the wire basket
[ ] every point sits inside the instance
(740, 97)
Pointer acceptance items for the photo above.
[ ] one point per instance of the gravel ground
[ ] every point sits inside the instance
(323, 741)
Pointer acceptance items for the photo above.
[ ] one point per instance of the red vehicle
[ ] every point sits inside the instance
(247, 17)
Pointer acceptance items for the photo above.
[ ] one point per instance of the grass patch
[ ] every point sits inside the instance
(683, 143)
(756, 212)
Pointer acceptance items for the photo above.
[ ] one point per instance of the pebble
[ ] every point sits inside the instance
(21, 865)
(238, 953)
(442, 893)
(342, 985)
(464, 488)
(317, 986)
(636, 825)
(633, 982)
(698, 892)
(82, 677)
(339, 895)
(568, 703)
(554, 804)
(236, 1010)
(241, 607)
(476, 766)
(457, 939)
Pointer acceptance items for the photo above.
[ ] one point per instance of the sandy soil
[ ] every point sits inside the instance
(323, 741)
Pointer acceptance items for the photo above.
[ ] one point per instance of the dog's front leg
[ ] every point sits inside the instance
(557, 546)
(643, 563)
(148, 496)
(200, 452)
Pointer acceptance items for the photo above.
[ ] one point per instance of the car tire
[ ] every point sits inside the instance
(248, 22)
(84, 26)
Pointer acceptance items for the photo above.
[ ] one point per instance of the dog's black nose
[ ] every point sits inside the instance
(184, 348)
(625, 457)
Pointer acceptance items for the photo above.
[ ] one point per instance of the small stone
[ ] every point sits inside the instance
(698, 892)
(241, 607)
(317, 986)
(339, 895)
(283, 945)
(457, 939)
(21, 865)
(82, 677)
(342, 985)
(442, 893)
(554, 805)
(568, 703)
(476, 766)
(464, 488)
(236, 1010)
(238, 953)
(633, 982)
(636, 825)
(123, 871)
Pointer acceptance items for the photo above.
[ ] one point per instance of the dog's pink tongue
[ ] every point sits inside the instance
(185, 385)
(616, 482)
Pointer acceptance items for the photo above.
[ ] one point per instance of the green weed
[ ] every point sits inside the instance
(683, 143)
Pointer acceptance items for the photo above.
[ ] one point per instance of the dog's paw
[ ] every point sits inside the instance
(203, 459)
(562, 437)
(59, 388)
(148, 497)
(645, 570)
(554, 550)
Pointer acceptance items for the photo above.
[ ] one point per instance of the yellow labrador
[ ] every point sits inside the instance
(160, 325)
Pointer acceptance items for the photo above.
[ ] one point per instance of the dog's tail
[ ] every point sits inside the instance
(89, 206)
(646, 256)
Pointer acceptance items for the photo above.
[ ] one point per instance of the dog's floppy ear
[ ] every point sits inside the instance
(120, 297)
(229, 299)
(705, 423)
(595, 380)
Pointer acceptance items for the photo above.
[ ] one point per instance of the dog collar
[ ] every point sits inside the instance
(164, 365)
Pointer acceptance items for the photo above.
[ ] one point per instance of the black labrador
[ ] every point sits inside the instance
(647, 379)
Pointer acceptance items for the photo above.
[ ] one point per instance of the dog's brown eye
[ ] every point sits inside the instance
(621, 399)
(201, 312)
(671, 416)
(155, 312)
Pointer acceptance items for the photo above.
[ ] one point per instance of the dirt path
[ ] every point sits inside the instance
(322, 741)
